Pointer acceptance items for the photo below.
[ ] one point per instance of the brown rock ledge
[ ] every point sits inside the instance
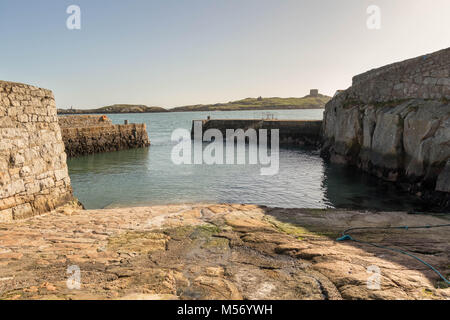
(218, 252)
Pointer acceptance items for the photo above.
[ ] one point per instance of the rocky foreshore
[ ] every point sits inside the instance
(219, 252)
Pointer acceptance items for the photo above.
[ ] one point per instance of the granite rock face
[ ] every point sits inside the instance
(443, 179)
(394, 122)
(33, 171)
(89, 134)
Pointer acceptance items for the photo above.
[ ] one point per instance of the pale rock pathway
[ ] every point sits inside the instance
(218, 252)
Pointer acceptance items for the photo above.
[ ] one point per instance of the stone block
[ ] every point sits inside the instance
(6, 216)
(61, 174)
(22, 211)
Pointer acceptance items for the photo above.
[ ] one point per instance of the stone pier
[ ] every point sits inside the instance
(292, 132)
(89, 134)
(33, 171)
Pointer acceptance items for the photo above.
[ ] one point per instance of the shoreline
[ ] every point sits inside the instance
(218, 251)
(185, 111)
(442, 214)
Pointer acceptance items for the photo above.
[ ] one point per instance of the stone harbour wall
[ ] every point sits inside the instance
(83, 121)
(424, 77)
(33, 172)
(401, 136)
(291, 132)
(89, 134)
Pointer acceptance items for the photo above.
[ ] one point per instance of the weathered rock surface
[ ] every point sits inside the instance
(33, 171)
(443, 184)
(89, 134)
(394, 122)
(218, 252)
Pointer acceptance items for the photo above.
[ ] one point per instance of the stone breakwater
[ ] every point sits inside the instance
(424, 77)
(394, 122)
(33, 171)
(219, 252)
(89, 134)
(291, 132)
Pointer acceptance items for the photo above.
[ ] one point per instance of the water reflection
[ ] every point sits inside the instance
(148, 177)
(348, 187)
(109, 163)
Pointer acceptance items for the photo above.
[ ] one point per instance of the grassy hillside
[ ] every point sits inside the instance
(307, 102)
(117, 108)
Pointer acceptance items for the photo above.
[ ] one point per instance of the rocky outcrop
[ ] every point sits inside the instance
(220, 252)
(33, 171)
(394, 122)
(87, 134)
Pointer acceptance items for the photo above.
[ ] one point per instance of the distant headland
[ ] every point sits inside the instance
(117, 108)
(314, 100)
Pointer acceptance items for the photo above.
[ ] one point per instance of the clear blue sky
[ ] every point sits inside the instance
(178, 52)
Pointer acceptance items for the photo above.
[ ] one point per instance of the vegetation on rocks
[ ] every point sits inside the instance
(117, 108)
(307, 102)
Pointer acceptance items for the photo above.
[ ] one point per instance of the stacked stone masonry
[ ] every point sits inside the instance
(394, 122)
(83, 121)
(33, 172)
(89, 134)
(424, 77)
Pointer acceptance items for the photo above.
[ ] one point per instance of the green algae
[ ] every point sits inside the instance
(288, 228)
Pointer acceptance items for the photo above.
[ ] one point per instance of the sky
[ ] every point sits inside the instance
(180, 52)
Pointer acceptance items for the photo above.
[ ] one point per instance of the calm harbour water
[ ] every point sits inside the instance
(148, 176)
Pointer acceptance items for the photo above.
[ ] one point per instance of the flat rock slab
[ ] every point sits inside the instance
(220, 252)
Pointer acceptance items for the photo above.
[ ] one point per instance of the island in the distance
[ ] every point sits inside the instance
(314, 100)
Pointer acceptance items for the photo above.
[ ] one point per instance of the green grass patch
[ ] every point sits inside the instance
(261, 104)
